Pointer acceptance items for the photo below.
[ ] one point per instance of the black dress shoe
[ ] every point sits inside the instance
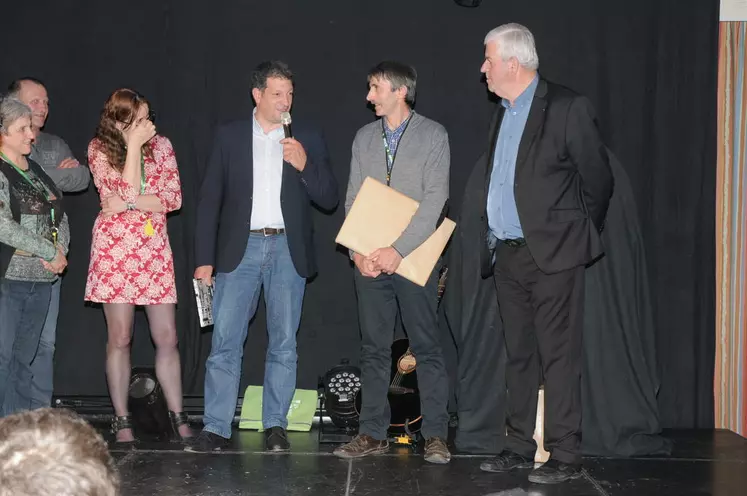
(506, 461)
(554, 472)
(276, 439)
(205, 442)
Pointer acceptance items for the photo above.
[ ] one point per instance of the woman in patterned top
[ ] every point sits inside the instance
(34, 238)
(135, 172)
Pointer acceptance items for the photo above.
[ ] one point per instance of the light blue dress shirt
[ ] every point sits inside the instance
(503, 218)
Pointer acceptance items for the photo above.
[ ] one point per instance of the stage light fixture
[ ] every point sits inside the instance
(342, 387)
(147, 404)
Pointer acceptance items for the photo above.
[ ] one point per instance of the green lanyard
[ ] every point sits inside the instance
(43, 191)
(142, 173)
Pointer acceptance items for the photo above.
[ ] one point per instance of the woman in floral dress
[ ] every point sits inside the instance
(136, 175)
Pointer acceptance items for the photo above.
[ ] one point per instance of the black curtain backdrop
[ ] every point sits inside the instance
(649, 67)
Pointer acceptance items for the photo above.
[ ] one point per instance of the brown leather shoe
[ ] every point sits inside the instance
(436, 451)
(362, 445)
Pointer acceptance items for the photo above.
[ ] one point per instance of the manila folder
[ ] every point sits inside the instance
(378, 217)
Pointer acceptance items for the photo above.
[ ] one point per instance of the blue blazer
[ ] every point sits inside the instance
(224, 207)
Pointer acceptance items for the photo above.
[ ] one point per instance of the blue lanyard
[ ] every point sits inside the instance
(389, 155)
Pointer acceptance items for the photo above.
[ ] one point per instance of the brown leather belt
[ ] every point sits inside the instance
(268, 231)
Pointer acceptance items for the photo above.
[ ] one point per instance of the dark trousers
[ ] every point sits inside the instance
(378, 301)
(543, 327)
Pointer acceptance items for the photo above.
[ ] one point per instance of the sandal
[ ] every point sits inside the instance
(119, 424)
(177, 420)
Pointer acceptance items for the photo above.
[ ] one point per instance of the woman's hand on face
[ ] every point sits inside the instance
(139, 133)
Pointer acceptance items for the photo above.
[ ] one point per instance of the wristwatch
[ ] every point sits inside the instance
(131, 206)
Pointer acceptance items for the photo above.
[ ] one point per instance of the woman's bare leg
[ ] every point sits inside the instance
(119, 317)
(162, 321)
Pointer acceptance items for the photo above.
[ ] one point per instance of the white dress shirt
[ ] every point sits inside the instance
(268, 177)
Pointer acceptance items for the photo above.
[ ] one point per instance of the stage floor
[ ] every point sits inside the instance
(703, 463)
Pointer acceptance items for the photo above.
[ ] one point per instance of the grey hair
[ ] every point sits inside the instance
(54, 451)
(515, 40)
(11, 109)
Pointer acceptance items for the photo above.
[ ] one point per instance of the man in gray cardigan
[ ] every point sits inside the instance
(410, 153)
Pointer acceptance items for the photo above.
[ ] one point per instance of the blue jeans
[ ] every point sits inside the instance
(42, 368)
(267, 263)
(23, 310)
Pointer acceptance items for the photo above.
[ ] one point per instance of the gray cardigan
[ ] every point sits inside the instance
(421, 171)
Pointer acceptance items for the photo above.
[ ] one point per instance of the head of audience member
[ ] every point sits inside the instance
(391, 87)
(54, 452)
(123, 109)
(16, 132)
(33, 93)
(511, 60)
(272, 91)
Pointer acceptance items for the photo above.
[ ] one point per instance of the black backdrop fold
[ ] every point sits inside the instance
(620, 381)
(648, 67)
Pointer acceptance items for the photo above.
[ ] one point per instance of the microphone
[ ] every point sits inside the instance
(285, 118)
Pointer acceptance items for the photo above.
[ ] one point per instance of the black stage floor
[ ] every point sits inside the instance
(703, 463)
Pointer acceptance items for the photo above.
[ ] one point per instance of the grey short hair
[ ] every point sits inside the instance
(11, 109)
(54, 451)
(515, 40)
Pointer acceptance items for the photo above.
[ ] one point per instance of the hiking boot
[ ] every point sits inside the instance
(362, 445)
(436, 451)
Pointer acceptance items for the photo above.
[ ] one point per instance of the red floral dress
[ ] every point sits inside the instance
(130, 262)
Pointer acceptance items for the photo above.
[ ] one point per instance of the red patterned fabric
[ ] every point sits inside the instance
(127, 265)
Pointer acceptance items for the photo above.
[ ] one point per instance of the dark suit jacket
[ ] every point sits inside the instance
(224, 208)
(563, 182)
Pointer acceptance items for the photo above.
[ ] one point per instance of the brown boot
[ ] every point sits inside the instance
(362, 445)
(436, 451)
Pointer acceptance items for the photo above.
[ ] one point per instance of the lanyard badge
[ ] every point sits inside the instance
(43, 190)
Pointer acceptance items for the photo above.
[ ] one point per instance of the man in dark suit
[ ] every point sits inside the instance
(254, 229)
(545, 200)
